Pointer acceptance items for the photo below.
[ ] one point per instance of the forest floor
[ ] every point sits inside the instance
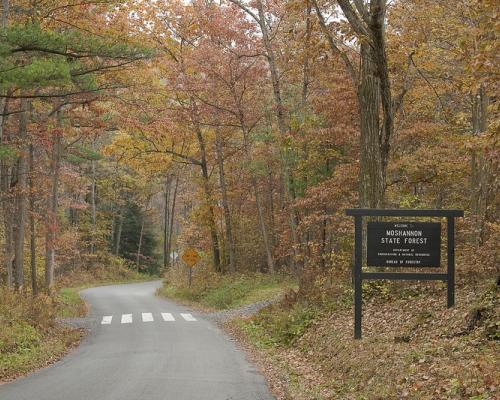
(37, 331)
(413, 347)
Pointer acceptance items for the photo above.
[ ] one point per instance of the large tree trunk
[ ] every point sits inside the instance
(20, 199)
(225, 203)
(51, 221)
(367, 20)
(371, 178)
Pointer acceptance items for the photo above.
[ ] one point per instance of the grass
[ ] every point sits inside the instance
(33, 349)
(70, 303)
(231, 291)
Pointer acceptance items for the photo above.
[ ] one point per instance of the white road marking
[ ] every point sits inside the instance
(106, 320)
(188, 317)
(167, 316)
(126, 318)
(147, 317)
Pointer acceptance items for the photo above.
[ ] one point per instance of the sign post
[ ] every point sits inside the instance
(401, 244)
(191, 258)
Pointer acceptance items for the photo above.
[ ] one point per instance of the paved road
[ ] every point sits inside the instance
(144, 348)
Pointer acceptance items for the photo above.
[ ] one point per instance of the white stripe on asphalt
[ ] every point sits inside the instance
(126, 318)
(167, 316)
(106, 320)
(188, 317)
(147, 317)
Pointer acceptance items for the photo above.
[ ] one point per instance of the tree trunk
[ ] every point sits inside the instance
(260, 210)
(20, 199)
(282, 124)
(206, 186)
(371, 180)
(7, 206)
(139, 246)
(51, 225)
(93, 203)
(373, 89)
(166, 222)
(9, 244)
(225, 203)
(172, 214)
(119, 232)
(5, 14)
(211, 213)
(34, 283)
(480, 167)
(306, 70)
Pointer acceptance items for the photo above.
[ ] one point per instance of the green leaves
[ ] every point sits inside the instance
(38, 72)
(32, 57)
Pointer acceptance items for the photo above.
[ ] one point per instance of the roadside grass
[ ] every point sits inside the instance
(229, 291)
(70, 304)
(30, 338)
(31, 349)
(413, 347)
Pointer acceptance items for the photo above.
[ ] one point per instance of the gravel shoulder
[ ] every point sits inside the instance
(240, 312)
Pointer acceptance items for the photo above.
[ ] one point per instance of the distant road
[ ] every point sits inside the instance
(142, 347)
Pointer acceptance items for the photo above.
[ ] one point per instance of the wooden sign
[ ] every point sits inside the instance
(190, 257)
(403, 244)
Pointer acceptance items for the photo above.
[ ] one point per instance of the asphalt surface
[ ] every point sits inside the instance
(177, 355)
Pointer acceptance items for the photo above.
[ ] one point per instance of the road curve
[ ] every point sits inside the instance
(142, 347)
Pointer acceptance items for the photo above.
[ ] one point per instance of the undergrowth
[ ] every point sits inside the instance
(413, 346)
(223, 292)
(29, 335)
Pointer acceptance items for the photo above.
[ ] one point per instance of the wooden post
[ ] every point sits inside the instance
(451, 260)
(358, 261)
